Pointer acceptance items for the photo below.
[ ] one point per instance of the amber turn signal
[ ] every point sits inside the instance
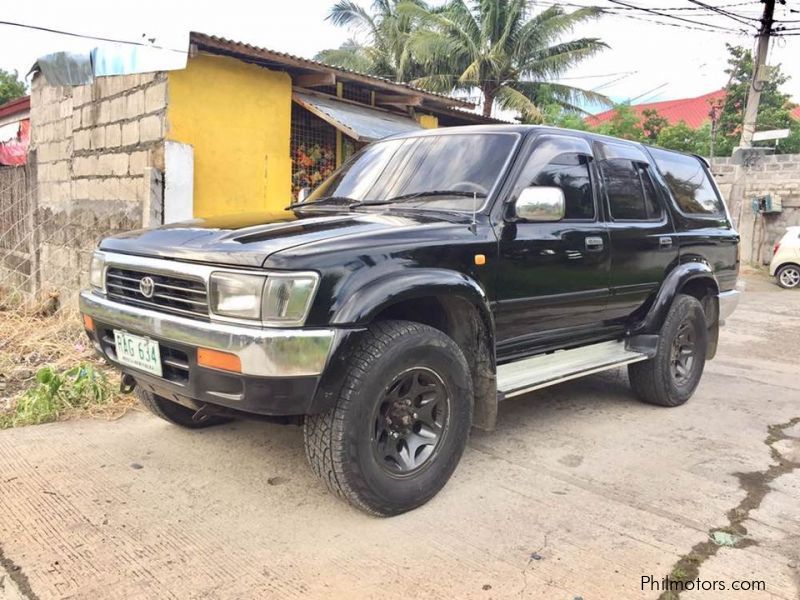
(480, 259)
(214, 359)
(88, 323)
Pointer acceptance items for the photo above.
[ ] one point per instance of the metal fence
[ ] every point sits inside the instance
(43, 253)
(18, 243)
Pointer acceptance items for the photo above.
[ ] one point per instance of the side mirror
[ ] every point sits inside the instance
(303, 193)
(540, 204)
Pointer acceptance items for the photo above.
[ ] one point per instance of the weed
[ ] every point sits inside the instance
(56, 392)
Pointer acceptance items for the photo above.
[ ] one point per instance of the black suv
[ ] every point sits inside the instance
(433, 275)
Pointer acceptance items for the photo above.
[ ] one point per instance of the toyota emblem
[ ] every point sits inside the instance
(147, 287)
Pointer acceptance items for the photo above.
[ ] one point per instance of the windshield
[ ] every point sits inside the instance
(451, 171)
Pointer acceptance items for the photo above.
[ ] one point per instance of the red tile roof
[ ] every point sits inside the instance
(692, 111)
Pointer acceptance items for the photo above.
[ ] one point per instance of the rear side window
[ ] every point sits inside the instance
(688, 182)
(630, 190)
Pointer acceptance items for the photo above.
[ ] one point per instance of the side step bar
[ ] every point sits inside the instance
(528, 374)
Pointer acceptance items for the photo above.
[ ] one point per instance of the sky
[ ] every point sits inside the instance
(646, 62)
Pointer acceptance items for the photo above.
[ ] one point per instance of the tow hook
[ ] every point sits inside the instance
(127, 384)
(202, 414)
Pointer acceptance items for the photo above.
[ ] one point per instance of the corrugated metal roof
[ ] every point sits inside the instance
(16, 106)
(211, 43)
(362, 123)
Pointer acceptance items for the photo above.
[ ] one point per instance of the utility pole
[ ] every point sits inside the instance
(759, 76)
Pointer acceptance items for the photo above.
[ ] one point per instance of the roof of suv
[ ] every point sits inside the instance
(531, 129)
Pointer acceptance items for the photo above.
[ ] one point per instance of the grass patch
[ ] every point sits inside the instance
(49, 371)
(56, 393)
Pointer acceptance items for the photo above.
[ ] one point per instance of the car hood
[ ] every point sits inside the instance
(249, 240)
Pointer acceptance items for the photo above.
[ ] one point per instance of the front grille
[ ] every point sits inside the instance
(176, 295)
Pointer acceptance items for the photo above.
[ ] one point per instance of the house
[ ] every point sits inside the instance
(137, 139)
(695, 112)
(15, 130)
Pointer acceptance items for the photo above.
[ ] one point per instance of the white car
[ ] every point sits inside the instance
(785, 265)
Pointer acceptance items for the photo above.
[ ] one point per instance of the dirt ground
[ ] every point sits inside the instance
(579, 493)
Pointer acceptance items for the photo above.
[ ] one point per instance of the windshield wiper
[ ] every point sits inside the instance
(415, 196)
(323, 200)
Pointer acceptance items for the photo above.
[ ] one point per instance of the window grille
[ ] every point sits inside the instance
(313, 149)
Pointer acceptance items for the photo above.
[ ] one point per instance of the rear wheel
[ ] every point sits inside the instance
(788, 276)
(401, 422)
(671, 376)
(176, 413)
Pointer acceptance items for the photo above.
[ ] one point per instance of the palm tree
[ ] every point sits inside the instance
(502, 48)
(386, 50)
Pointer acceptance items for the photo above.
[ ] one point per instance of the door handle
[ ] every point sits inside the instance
(594, 244)
(665, 241)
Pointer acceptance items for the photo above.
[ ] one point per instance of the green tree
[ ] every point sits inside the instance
(678, 137)
(774, 109)
(625, 124)
(557, 116)
(11, 86)
(387, 30)
(505, 50)
(652, 124)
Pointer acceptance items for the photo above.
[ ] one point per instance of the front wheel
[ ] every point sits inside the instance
(788, 276)
(401, 422)
(175, 413)
(671, 376)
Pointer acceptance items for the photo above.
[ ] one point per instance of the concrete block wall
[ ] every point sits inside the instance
(97, 147)
(778, 175)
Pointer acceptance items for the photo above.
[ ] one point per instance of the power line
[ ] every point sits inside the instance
(721, 11)
(678, 25)
(88, 37)
(616, 11)
(626, 73)
(676, 17)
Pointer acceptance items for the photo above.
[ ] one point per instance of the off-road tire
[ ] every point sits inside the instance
(652, 380)
(339, 443)
(783, 278)
(176, 413)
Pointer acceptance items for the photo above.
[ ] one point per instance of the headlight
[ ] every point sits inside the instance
(236, 295)
(96, 272)
(278, 299)
(288, 297)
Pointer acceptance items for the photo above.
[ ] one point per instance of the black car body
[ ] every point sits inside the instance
(639, 227)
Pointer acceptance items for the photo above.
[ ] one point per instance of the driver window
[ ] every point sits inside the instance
(563, 163)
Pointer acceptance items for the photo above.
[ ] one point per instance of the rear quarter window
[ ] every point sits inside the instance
(689, 184)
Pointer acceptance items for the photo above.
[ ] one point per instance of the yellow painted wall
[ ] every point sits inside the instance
(237, 117)
(428, 121)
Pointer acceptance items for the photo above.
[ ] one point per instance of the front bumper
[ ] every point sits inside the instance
(280, 368)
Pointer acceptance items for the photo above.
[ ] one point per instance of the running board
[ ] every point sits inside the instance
(528, 374)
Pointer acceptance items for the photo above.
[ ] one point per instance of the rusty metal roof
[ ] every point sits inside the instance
(219, 45)
(16, 106)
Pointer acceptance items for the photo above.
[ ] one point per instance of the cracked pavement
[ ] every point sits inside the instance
(579, 493)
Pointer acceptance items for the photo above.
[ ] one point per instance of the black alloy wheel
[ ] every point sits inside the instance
(400, 423)
(683, 352)
(411, 421)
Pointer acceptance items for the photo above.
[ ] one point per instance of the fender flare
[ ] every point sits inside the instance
(367, 301)
(670, 288)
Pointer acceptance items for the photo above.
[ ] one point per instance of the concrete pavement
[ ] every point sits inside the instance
(579, 493)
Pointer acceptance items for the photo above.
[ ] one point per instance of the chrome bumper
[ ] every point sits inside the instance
(728, 301)
(263, 352)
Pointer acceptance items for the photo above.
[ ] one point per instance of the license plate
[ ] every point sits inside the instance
(138, 352)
